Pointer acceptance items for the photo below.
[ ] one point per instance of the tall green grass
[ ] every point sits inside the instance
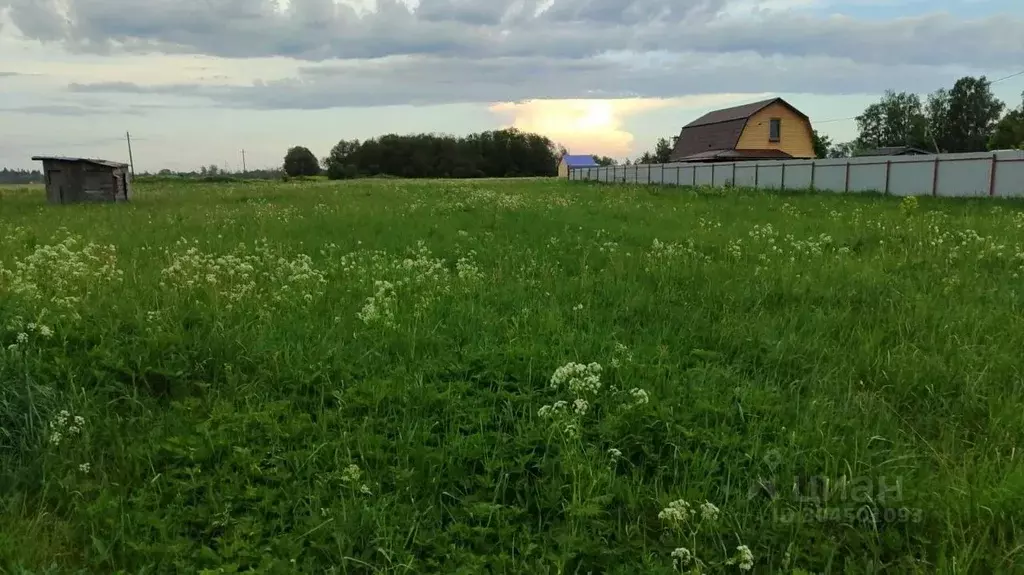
(358, 378)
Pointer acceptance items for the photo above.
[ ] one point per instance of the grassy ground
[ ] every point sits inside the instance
(358, 378)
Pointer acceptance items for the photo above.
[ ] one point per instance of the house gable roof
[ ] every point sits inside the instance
(105, 163)
(720, 130)
(579, 161)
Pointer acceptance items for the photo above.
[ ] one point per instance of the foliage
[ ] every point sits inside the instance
(963, 119)
(299, 161)
(822, 145)
(604, 161)
(501, 153)
(896, 120)
(1009, 132)
(661, 154)
(9, 176)
(395, 376)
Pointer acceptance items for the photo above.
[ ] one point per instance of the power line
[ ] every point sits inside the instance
(1021, 73)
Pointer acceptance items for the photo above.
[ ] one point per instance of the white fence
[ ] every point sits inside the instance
(996, 174)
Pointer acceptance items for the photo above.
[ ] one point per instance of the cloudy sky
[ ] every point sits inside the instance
(197, 81)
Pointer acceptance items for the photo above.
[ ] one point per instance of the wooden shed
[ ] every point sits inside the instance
(72, 180)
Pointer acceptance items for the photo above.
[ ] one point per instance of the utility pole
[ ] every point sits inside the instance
(243, 161)
(131, 160)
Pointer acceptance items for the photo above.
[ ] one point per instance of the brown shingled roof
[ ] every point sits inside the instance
(719, 130)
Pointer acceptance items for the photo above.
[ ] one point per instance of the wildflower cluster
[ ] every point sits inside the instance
(666, 252)
(419, 278)
(578, 378)
(379, 307)
(25, 331)
(58, 276)
(685, 521)
(254, 274)
(65, 427)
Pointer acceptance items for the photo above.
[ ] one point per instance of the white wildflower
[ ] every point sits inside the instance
(79, 421)
(365, 490)
(615, 453)
(45, 331)
(682, 556)
(578, 377)
(22, 337)
(84, 468)
(640, 396)
(56, 437)
(744, 559)
(351, 474)
(581, 406)
(677, 512)
(708, 511)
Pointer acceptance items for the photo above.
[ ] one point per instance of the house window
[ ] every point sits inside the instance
(775, 130)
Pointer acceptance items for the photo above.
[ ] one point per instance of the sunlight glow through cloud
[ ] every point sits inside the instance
(598, 126)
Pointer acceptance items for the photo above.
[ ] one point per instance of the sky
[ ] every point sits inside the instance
(196, 82)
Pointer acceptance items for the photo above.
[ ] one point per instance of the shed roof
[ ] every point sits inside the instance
(106, 163)
(721, 129)
(895, 151)
(725, 155)
(579, 161)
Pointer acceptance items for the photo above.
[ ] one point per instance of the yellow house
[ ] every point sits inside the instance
(770, 129)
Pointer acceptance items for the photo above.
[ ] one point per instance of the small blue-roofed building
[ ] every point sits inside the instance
(574, 161)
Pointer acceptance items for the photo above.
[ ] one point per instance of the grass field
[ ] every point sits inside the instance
(509, 376)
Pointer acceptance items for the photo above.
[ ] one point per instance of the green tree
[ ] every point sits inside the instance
(604, 160)
(822, 144)
(964, 118)
(896, 120)
(500, 153)
(299, 161)
(1009, 132)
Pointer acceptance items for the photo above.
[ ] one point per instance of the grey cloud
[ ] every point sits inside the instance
(421, 81)
(317, 30)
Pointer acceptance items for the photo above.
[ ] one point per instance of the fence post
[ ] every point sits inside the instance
(935, 177)
(694, 185)
(846, 186)
(732, 182)
(648, 174)
(888, 168)
(783, 185)
(712, 175)
(814, 164)
(757, 174)
(677, 175)
(992, 176)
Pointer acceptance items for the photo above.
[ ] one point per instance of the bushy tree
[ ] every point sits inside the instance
(1009, 132)
(300, 161)
(896, 120)
(604, 160)
(822, 145)
(964, 118)
(500, 153)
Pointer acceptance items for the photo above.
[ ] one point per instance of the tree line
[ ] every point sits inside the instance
(8, 176)
(965, 118)
(492, 154)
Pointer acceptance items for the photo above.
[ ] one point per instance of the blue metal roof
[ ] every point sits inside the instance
(579, 161)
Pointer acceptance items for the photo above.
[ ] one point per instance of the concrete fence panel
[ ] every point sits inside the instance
(984, 174)
(769, 176)
(869, 177)
(798, 176)
(705, 175)
(966, 177)
(1009, 179)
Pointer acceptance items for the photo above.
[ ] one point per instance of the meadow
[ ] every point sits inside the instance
(514, 376)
